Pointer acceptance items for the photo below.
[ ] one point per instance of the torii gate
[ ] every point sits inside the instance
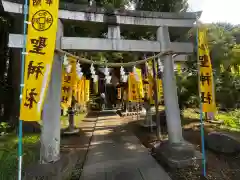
(168, 27)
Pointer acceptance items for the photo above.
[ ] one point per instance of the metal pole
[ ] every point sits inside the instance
(156, 99)
(21, 90)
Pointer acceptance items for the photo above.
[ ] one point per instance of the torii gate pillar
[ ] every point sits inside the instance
(50, 136)
(170, 89)
(176, 151)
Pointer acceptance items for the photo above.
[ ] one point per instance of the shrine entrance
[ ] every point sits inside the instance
(109, 90)
(166, 46)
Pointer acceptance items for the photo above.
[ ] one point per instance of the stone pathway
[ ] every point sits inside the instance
(116, 154)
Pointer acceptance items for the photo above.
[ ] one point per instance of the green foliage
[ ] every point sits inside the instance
(4, 127)
(231, 119)
(225, 51)
(9, 157)
(162, 5)
(228, 90)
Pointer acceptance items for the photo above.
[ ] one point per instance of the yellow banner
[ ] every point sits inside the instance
(133, 89)
(205, 74)
(87, 88)
(81, 90)
(41, 37)
(150, 89)
(68, 85)
(146, 90)
(140, 83)
(78, 89)
(160, 89)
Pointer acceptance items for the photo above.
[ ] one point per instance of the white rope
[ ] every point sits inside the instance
(129, 64)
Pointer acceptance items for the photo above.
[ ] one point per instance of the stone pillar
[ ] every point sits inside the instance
(50, 137)
(176, 152)
(114, 32)
(170, 89)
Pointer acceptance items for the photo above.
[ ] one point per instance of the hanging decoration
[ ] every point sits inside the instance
(67, 65)
(104, 63)
(79, 71)
(65, 60)
(92, 70)
(159, 64)
(107, 77)
(136, 74)
(40, 46)
(123, 75)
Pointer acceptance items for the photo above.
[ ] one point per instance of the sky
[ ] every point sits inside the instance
(217, 10)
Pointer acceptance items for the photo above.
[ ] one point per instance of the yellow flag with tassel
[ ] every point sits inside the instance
(68, 84)
(81, 91)
(41, 38)
(87, 88)
(205, 73)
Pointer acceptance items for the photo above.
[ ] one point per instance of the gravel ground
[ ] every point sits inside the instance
(219, 166)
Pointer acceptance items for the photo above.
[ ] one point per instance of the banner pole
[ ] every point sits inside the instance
(20, 129)
(201, 109)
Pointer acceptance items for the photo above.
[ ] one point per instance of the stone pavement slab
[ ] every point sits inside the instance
(116, 154)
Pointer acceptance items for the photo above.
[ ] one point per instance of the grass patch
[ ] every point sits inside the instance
(231, 119)
(9, 156)
(9, 150)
